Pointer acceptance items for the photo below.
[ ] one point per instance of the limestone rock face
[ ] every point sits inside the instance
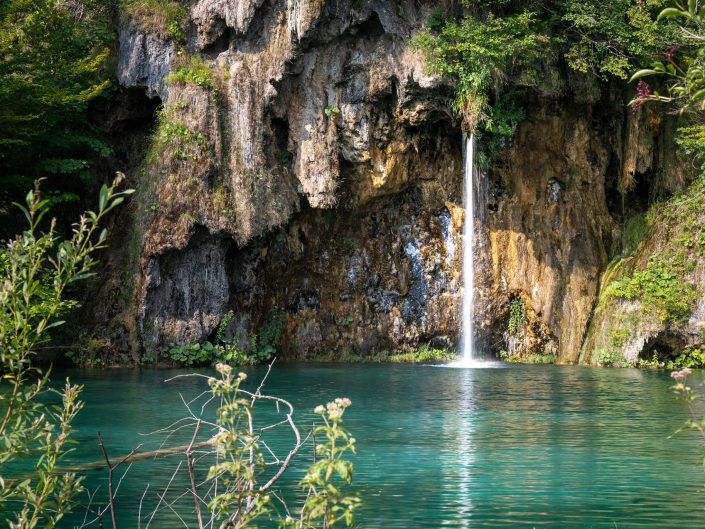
(143, 61)
(652, 299)
(550, 233)
(317, 176)
(556, 207)
(323, 116)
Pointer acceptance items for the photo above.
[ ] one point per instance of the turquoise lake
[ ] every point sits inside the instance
(515, 446)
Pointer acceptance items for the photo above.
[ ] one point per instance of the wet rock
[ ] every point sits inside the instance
(187, 293)
(304, 299)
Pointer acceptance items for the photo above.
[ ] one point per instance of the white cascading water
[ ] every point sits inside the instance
(469, 251)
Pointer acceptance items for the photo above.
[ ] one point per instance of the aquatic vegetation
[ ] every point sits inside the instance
(532, 358)
(424, 354)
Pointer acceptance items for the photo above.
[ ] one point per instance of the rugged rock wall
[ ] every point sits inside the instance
(320, 177)
(560, 195)
(318, 174)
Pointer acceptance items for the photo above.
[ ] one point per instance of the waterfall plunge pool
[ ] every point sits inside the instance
(524, 446)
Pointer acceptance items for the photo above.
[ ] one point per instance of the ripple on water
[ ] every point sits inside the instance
(523, 446)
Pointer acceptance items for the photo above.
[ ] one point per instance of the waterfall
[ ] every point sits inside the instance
(468, 334)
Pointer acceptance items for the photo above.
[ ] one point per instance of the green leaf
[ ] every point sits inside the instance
(643, 73)
(698, 95)
(671, 12)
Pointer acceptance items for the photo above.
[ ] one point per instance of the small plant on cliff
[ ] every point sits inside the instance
(165, 18)
(193, 70)
(517, 317)
(36, 268)
(332, 111)
(175, 138)
(264, 344)
(610, 357)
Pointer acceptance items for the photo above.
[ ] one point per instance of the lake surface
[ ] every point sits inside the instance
(518, 446)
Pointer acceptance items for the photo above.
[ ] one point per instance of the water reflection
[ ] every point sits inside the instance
(459, 457)
(548, 446)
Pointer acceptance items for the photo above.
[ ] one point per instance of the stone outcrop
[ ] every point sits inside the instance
(322, 110)
(318, 175)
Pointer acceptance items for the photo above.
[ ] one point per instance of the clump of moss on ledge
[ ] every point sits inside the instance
(424, 354)
(192, 70)
(662, 286)
(164, 18)
(659, 287)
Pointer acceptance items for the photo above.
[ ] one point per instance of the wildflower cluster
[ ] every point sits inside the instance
(334, 410)
(240, 459)
(329, 503)
(685, 393)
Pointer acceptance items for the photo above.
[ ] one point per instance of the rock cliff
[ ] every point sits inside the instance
(305, 163)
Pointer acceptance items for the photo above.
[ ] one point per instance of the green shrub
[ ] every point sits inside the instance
(264, 344)
(610, 357)
(693, 356)
(36, 270)
(498, 50)
(477, 53)
(660, 287)
(240, 477)
(193, 354)
(653, 363)
(193, 71)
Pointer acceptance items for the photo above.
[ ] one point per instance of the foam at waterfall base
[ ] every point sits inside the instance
(473, 364)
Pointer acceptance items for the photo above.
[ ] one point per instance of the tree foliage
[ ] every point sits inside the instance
(53, 56)
(497, 50)
(680, 70)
